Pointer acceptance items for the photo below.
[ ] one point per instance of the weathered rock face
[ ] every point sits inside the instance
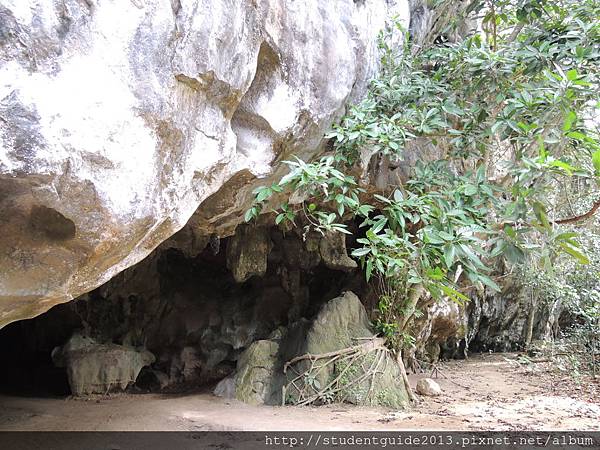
(255, 382)
(440, 332)
(429, 20)
(490, 321)
(118, 118)
(499, 321)
(187, 308)
(334, 253)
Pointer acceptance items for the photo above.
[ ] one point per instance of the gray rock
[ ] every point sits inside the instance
(340, 323)
(500, 319)
(333, 251)
(225, 388)
(162, 378)
(95, 368)
(190, 363)
(257, 369)
(428, 387)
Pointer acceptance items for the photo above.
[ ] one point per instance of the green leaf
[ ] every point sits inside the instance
(514, 254)
(446, 236)
(369, 270)
(563, 165)
(453, 294)
(596, 161)
(432, 238)
(569, 121)
(398, 196)
(361, 252)
(378, 226)
(435, 274)
(580, 257)
(414, 279)
(279, 218)
(340, 228)
(382, 199)
(449, 254)
(249, 215)
(470, 254)
(489, 282)
(263, 194)
(470, 190)
(540, 212)
(572, 75)
(577, 135)
(565, 236)
(542, 151)
(510, 231)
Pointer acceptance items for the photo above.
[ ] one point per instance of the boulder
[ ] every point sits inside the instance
(225, 388)
(428, 387)
(341, 323)
(258, 367)
(95, 368)
(441, 331)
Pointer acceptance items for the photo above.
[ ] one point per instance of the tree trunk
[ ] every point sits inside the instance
(530, 321)
(411, 304)
(409, 391)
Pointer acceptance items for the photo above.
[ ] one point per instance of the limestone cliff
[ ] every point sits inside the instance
(118, 118)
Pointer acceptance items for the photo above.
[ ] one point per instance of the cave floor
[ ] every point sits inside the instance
(485, 392)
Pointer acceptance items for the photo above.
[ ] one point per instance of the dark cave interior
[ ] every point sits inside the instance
(188, 311)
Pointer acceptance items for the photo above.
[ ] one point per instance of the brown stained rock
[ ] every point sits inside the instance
(247, 252)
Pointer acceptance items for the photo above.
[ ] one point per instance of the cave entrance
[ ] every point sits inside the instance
(195, 312)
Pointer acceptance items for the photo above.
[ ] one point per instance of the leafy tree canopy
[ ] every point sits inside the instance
(505, 124)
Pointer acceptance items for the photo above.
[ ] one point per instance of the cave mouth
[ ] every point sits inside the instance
(188, 310)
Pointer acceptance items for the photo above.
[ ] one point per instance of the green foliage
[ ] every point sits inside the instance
(510, 115)
(320, 181)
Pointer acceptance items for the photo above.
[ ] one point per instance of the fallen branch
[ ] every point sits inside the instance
(588, 214)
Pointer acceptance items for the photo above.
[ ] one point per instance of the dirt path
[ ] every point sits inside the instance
(486, 392)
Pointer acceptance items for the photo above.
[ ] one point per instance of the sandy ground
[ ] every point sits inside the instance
(486, 392)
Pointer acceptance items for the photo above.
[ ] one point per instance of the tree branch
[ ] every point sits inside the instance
(587, 215)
